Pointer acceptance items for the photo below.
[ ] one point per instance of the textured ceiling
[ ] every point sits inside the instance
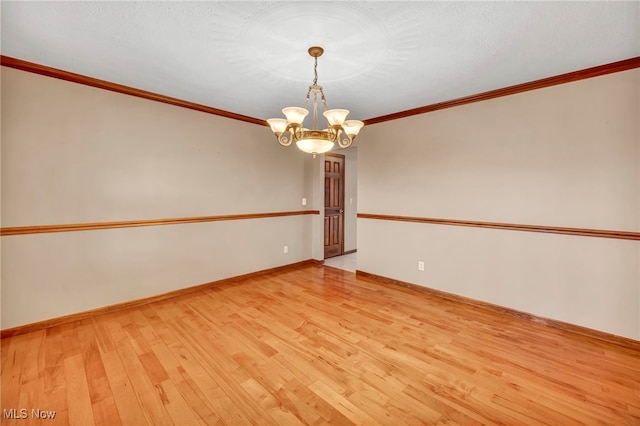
(380, 57)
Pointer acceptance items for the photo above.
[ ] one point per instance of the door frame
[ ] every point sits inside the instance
(342, 191)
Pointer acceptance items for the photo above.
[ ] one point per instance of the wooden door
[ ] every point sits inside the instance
(333, 205)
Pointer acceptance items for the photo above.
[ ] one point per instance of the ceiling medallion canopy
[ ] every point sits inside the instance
(315, 141)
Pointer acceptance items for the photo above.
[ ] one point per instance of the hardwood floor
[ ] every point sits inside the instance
(315, 345)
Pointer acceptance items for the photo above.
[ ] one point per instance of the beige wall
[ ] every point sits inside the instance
(563, 156)
(566, 155)
(314, 190)
(351, 199)
(76, 154)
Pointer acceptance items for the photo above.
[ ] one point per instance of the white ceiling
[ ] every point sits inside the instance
(380, 57)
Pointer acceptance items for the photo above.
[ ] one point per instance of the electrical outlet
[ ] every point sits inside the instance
(420, 265)
(304, 201)
(286, 249)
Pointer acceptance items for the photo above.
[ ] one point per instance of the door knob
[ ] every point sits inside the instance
(341, 211)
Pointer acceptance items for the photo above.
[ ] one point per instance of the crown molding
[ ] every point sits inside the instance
(613, 67)
(22, 65)
(569, 77)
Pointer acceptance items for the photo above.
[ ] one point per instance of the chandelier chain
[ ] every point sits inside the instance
(315, 72)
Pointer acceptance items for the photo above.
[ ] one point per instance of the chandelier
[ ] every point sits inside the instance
(315, 141)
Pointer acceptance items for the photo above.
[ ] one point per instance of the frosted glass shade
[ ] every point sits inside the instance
(352, 127)
(278, 125)
(335, 117)
(314, 146)
(295, 115)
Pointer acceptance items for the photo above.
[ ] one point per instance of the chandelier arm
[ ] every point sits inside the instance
(346, 141)
(285, 139)
(292, 133)
(333, 134)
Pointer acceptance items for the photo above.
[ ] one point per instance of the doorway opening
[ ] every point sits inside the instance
(333, 205)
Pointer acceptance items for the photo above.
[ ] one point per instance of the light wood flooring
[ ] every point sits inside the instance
(316, 345)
